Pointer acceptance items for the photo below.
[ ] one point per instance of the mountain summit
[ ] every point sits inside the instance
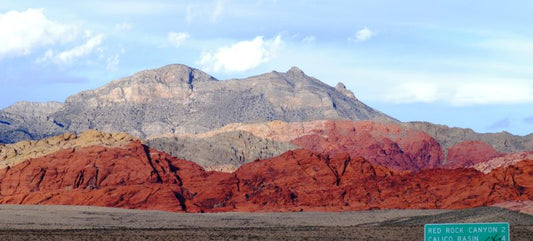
(180, 99)
(170, 82)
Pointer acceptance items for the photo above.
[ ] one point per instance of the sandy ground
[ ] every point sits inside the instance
(97, 223)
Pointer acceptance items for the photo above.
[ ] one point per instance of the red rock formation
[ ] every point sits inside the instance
(469, 153)
(385, 144)
(304, 180)
(134, 176)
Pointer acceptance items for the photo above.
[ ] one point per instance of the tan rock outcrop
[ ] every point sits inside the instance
(503, 161)
(13, 154)
(274, 130)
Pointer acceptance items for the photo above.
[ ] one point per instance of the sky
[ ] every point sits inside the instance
(459, 63)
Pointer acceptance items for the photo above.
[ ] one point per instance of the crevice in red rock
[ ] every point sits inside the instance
(154, 170)
(39, 177)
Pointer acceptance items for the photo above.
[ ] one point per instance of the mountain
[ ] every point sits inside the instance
(179, 99)
(176, 100)
(223, 152)
(125, 173)
(28, 121)
(388, 144)
(503, 142)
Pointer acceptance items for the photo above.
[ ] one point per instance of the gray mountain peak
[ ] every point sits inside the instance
(179, 99)
(342, 89)
(295, 70)
(171, 81)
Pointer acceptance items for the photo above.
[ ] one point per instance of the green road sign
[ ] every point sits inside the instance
(466, 232)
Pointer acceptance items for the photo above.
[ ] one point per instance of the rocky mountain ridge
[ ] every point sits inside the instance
(133, 175)
(222, 152)
(180, 99)
(388, 144)
(194, 104)
(29, 121)
(503, 142)
(176, 100)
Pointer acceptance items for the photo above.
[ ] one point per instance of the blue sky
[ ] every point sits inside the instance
(459, 63)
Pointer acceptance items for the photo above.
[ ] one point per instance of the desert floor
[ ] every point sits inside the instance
(98, 223)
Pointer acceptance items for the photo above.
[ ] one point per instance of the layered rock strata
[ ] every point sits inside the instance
(133, 175)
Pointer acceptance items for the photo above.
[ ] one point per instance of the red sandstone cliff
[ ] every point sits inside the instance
(384, 144)
(470, 153)
(135, 176)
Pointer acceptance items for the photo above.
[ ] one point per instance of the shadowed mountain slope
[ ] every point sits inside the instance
(223, 152)
(29, 121)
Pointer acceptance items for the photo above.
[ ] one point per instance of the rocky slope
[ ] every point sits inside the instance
(228, 148)
(469, 153)
(178, 99)
(383, 144)
(387, 144)
(13, 154)
(520, 206)
(374, 137)
(133, 175)
(280, 131)
(223, 152)
(28, 121)
(503, 161)
(304, 180)
(503, 142)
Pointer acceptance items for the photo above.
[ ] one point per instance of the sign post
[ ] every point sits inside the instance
(466, 232)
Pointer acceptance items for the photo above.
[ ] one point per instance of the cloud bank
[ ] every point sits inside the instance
(457, 90)
(69, 56)
(177, 39)
(204, 10)
(23, 32)
(241, 56)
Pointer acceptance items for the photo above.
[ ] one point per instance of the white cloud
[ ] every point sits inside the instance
(68, 56)
(219, 9)
(309, 39)
(139, 8)
(362, 35)
(458, 90)
(124, 26)
(208, 10)
(177, 39)
(501, 91)
(23, 32)
(241, 56)
(79, 51)
(189, 13)
(511, 45)
(112, 62)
